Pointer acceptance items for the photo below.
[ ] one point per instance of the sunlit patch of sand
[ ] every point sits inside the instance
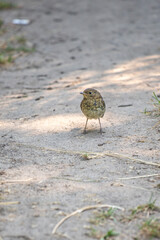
(59, 123)
(136, 73)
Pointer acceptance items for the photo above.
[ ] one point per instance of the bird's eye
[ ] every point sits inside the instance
(90, 92)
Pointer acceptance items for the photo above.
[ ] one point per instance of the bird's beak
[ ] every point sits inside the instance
(81, 93)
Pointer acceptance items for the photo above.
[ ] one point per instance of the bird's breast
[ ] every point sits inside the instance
(93, 108)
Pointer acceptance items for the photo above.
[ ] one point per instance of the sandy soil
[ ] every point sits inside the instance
(113, 46)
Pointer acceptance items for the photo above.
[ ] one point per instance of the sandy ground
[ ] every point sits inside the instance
(113, 46)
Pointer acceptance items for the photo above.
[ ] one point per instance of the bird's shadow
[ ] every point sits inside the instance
(89, 133)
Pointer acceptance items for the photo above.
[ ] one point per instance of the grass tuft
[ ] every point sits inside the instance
(6, 5)
(22, 48)
(96, 234)
(2, 28)
(155, 97)
(1, 23)
(93, 233)
(151, 228)
(21, 40)
(156, 111)
(150, 206)
(13, 48)
(109, 234)
(101, 216)
(146, 112)
(4, 60)
(156, 104)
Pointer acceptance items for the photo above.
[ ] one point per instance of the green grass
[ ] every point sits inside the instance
(145, 227)
(141, 210)
(144, 208)
(100, 217)
(6, 5)
(21, 39)
(156, 103)
(14, 48)
(5, 59)
(98, 235)
(109, 235)
(156, 111)
(150, 228)
(23, 48)
(147, 112)
(150, 206)
(157, 100)
(1, 23)
(93, 233)
(2, 28)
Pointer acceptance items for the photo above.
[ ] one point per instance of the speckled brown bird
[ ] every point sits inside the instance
(92, 106)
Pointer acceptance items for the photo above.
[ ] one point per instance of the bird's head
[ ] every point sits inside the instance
(90, 93)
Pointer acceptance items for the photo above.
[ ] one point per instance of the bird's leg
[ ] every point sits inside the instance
(100, 125)
(85, 126)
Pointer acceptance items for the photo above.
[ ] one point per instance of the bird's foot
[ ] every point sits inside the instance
(84, 132)
(101, 131)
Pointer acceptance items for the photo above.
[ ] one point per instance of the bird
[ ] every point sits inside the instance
(92, 106)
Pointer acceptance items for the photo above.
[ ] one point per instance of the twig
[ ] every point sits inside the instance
(51, 149)
(82, 210)
(90, 154)
(60, 235)
(41, 180)
(17, 181)
(76, 180)
(158, 123)
(8, 203)
(126, 105)
(117, 155)
(136, 177)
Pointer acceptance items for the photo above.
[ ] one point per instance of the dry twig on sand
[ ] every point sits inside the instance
(137, 177)
(82, 210)
(8, 203)
(17, 181)
(90, 155)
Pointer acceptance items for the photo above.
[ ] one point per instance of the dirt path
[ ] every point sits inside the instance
(113, 46)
